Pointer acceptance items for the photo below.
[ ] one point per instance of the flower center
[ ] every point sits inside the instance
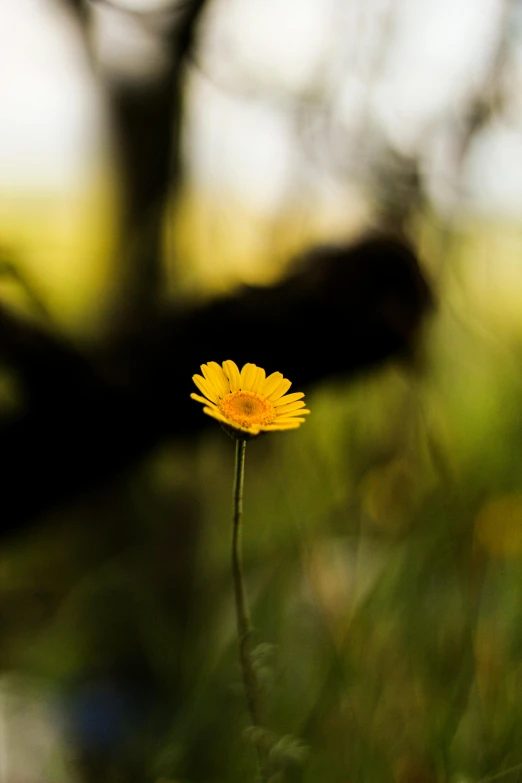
(246, 409)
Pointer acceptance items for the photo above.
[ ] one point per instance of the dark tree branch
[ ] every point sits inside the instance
(343, 310)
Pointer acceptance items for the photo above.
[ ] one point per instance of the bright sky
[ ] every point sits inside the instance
(51, 125)
(240, 132)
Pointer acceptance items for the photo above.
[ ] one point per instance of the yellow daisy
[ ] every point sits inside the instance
(247, 402)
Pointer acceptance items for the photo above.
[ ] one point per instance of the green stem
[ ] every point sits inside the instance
(244, 628)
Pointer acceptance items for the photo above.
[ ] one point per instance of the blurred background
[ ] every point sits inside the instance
(156, 156)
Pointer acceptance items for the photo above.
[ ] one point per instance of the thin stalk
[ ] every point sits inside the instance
(244, 628)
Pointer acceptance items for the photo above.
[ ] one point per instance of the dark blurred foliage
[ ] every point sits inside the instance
(366, 303)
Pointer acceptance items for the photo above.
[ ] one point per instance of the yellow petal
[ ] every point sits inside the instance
(280, 427)
(232, 373)
(207, 374)
(199, 398)
(289, 398)
(298, 412)
(289, 420)
(281, 410)
(248, 375)
(220, 374)
(215, 375)
(258, 380)
(205, 387)
(215, 414)
(280, 389)
(271, 383)
(255, 429)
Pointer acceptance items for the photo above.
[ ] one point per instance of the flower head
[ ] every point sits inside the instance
(247, 403)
